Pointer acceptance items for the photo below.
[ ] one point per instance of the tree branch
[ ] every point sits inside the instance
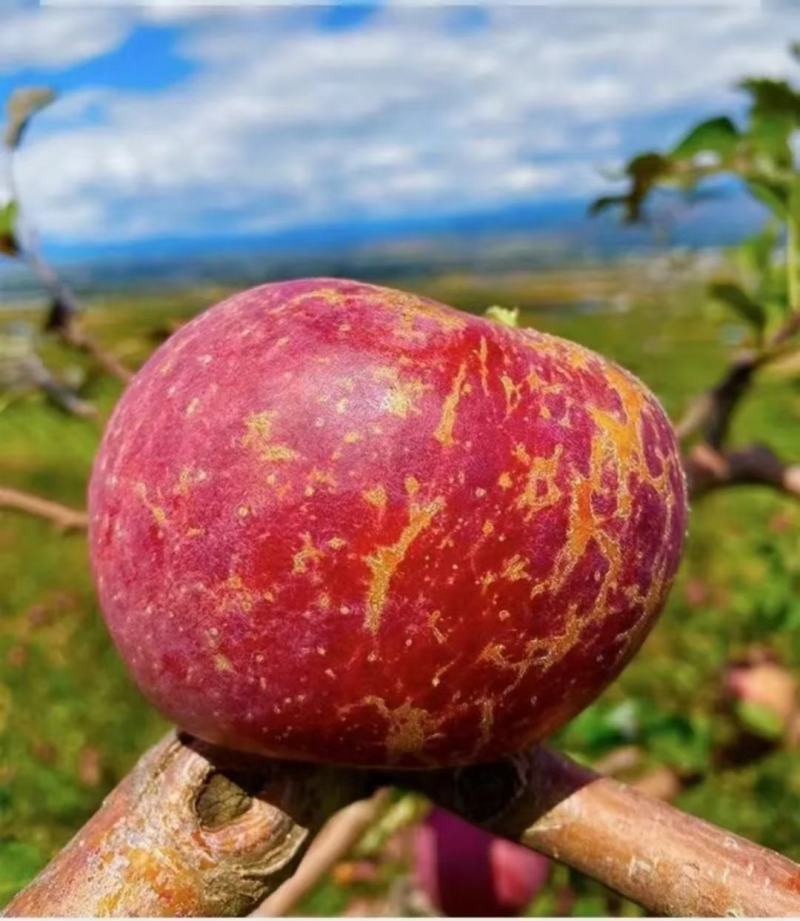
(339, 835)
(708, 465)
(194, 830)
(708, 469)
(191, 831)
(347, 827)
(669, 862)
(711, 413)
(35, 372)
(62, 516)
(65, 318)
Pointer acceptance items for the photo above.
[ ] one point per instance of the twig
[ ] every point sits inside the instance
(708, 464)
(196, 831)
(62, 516)
(708, 469)
(35, 370)
(341, 833)
(67, 324)
(711, 413)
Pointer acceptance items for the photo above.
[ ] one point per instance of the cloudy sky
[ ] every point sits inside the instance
(185, 123)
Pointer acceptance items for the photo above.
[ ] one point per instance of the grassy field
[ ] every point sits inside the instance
(71, 723)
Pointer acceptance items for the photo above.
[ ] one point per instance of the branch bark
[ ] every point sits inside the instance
(347, 827)
(194, 830)
(669, 862)
(62, 516)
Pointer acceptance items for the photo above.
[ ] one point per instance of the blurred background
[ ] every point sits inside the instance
(602, 170)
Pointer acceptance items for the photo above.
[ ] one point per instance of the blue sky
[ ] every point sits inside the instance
(180, 123)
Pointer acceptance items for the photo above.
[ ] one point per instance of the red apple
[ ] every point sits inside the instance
(337, 522)
(465, 871)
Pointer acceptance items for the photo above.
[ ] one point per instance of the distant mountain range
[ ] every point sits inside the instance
(520, 238)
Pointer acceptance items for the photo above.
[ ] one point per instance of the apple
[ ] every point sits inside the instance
(337, 522)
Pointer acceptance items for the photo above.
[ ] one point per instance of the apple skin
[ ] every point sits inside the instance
(468, 872)
(336, 522)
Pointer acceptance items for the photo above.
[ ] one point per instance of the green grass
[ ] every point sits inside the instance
(71, 723)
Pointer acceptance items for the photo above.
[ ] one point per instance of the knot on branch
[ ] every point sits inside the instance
(195, 830)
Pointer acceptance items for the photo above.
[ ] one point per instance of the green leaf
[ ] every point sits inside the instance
(604, 202)
(644, 172)
(22, 105)
(647, 167)
(680, 740)
(762, 271)
(741, 302)
(769, 137)
(759, 720)
(507, 316)
(716, 135)
(624, 718)
(758, 250)
(772, 97)
(8, 237)
(600, 728)
(771, 194)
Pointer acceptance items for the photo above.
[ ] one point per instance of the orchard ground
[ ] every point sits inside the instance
(71, 723)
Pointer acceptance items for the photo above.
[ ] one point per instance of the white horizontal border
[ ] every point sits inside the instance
(550, 4)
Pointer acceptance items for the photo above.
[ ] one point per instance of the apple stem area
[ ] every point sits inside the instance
(195, 830)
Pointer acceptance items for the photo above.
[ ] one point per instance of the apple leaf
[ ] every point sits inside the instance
(716, 135)
(772, 97)
(644, 173)
(740, 301)
(604, 202)
(8, 237)
(758, 250)
(772, 195)
(22, 105)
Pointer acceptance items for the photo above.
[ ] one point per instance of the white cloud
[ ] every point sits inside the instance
(57, 38)
(285, 124)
